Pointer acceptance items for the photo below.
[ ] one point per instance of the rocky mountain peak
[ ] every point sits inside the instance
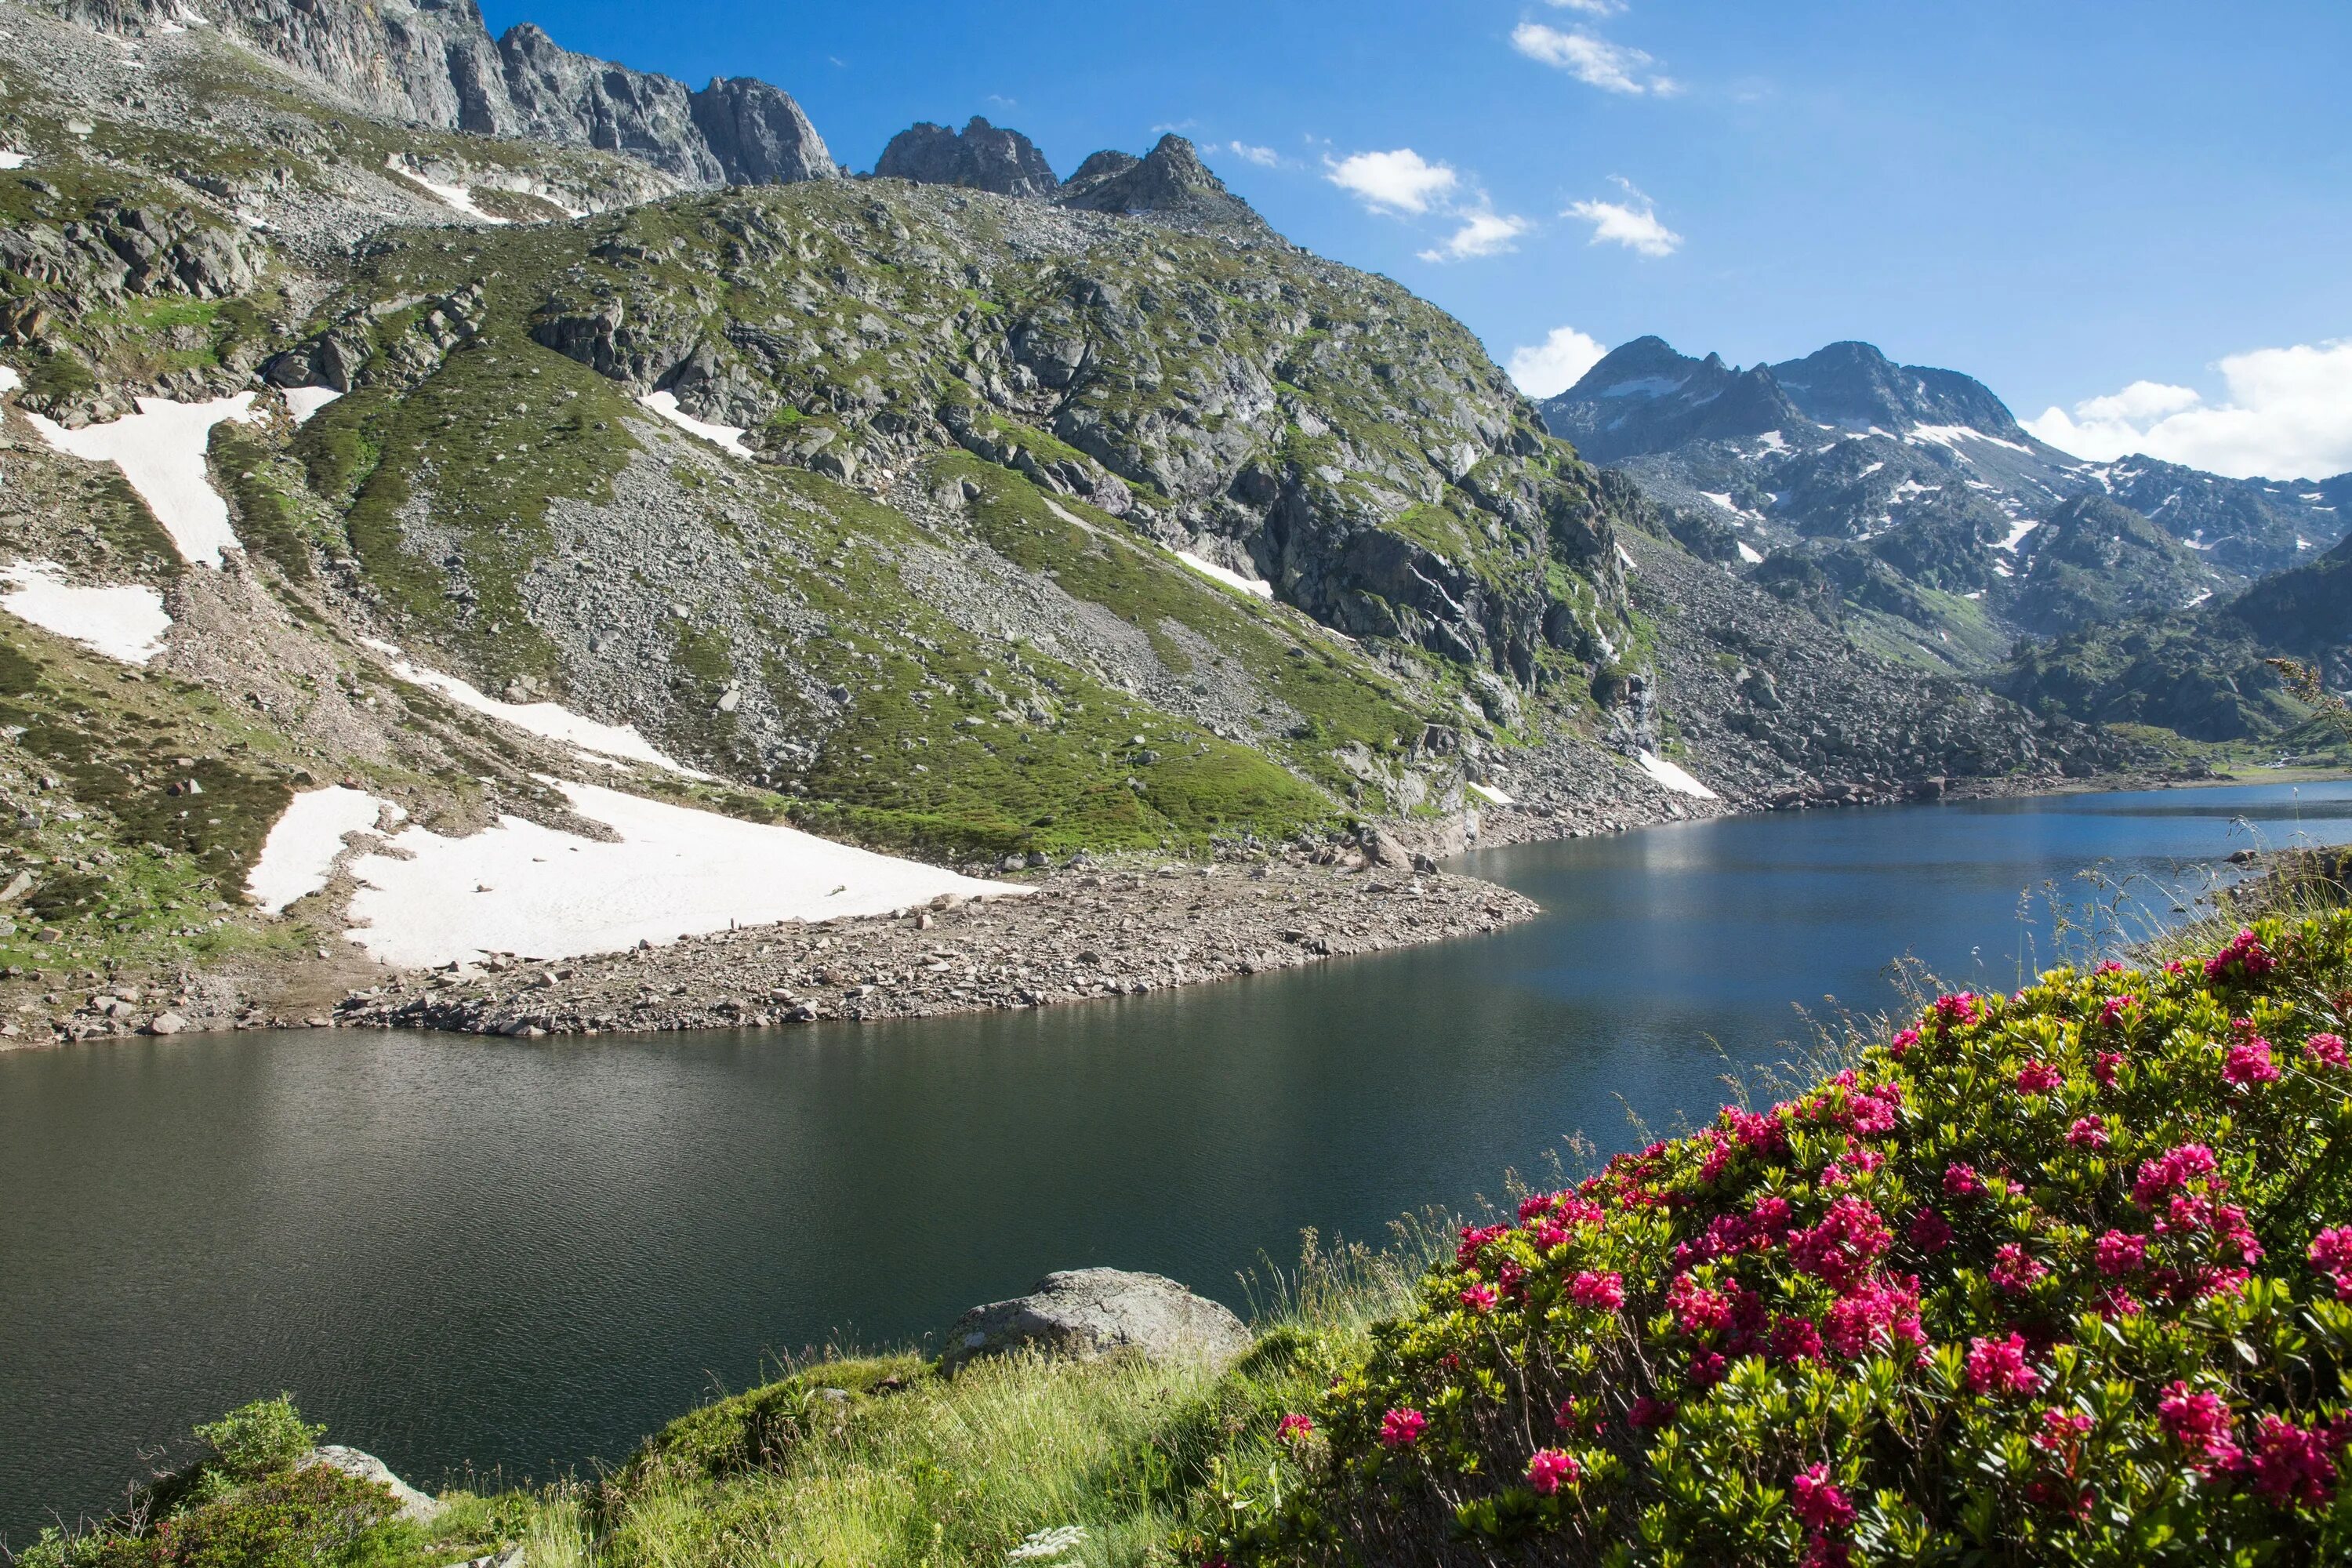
(981, 157)
(433, 63)
(1853, 385)
(1170, 180)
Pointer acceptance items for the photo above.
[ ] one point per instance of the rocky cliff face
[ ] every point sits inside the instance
(433, 62)
(981, 157)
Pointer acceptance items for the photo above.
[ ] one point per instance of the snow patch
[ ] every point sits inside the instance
(1626, 560)
(1748, 553)
(676, 871)
(1772, 441)
(457, 196)
(160, 450)
(1225, 575)
(125, 622)
(302, 401)
(9, 380)
(14, 160)
(1953, 435)
(1647, 386)
(1673, 778)
(2200, 599)
(728, 436)
(2018, 530)
(1490, 794)
(548, 720)
(299, 855)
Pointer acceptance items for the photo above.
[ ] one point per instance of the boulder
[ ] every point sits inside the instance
(1083, 1313)
(414, 1505)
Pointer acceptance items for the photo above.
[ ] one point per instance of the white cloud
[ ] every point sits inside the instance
(2288, 416)
(1612, 68)
(1632, 223)
(1263, 157)
(1483, 232)
(1591, 7)
(1557, 363)
(1401, 181)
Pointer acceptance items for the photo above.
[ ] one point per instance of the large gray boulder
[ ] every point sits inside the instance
(362, 1466)
(1083, 1313)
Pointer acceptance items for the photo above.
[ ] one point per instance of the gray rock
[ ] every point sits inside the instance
(1170, 179)
(415, 1505)
(759, 135)
(1083, 1313)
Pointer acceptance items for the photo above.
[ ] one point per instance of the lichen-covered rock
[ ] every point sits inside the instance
(1083, 1313)
(415, 1505)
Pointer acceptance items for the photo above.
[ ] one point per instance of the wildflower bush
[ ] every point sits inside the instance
(2062, 1277)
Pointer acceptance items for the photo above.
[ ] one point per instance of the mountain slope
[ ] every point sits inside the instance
(2201, 672)
(956, 523)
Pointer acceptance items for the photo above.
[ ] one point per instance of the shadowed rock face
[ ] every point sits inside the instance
(435, 63)
(981, 157)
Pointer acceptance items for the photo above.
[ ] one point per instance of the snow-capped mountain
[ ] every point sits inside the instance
(1902, 491)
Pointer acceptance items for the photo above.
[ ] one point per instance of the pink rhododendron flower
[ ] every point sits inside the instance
(1843, 1245)
(2250, 1063)
(2119, 1254)
(1878, 1313)
(1479, 1299)
(2331, 1253)
(2291, 1465)
(1603, 1292)
(1961, 1010)
(1474, 1241)
(1795, 1339)
(1550, 1469)
(2173, 1168)
(2324, 1051)
(2034, 1078)
(1296, 1428)
(1706, 1369)
(2015, 1270)
(2199, 1422)
(1647, 1412)
(1901, 1043)
(1402, 1428)
(1818, 1504)
(2088, 1132)
(1961, 1180)
(2103, 1066)
(1999, 1366)
(1928, 1232)
(2244, 959)
(2061, 1430)
(1696, 1309)
(2111, 1015)
(1567, 1415)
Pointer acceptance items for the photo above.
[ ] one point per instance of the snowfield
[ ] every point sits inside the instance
(728, 436)
(1673, 778)
(299, 855)
(12, 160)
(1489, 794)
(126, 622)
(303, 402)
(524, 889)
(9, 380)
(1225, 575)
(160, 450)
(547, 721)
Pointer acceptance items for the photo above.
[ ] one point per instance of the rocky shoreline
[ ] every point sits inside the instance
(1085, 933)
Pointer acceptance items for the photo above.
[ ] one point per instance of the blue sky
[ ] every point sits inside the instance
(2073, 200)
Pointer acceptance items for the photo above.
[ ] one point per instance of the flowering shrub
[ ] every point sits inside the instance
(2060, 1278)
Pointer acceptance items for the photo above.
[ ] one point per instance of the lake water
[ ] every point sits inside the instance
(526, 1254)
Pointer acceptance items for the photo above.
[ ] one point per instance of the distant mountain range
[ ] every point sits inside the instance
(1910, 504)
